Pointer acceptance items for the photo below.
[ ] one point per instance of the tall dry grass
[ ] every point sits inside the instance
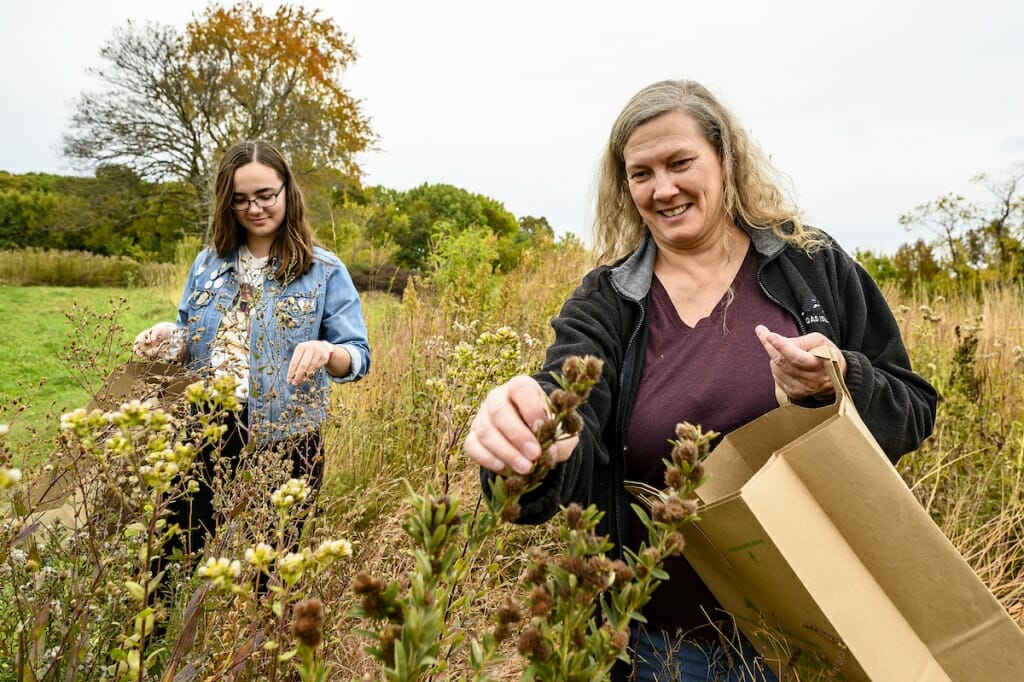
(970, 474)
(33, 267)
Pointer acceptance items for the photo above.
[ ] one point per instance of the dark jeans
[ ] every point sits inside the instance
(662, 657)
(195, 513)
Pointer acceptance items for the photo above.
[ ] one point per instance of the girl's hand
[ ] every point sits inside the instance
(309, 356)
(156, 342)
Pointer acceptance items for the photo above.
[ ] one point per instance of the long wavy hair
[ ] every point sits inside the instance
(292, 248)
(751, 194)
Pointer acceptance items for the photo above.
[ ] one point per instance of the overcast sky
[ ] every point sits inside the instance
(869, 107)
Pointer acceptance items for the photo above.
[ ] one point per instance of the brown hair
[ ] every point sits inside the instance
(751, 194)
(292, 248)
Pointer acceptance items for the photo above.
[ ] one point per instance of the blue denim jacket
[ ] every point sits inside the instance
(320, 305)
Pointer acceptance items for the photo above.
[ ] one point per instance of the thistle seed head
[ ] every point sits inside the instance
(308, 622)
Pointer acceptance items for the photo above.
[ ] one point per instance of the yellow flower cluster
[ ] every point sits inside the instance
(221, 572)
(330, 551)
(288, 495)
(290, 567)
(164, 464)
(9, 477)
(260, 556)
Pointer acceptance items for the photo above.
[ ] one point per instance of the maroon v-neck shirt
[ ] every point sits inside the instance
(715, 374)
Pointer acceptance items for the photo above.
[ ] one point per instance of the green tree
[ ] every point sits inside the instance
(913, 263)
(113, 213)
(23, 216)
(413, 218)
(174, 100)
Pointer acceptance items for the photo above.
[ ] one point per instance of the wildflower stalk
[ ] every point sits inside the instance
(410, 629)
(308, 630)
(562, 640)
(145, 460)
(579, 375)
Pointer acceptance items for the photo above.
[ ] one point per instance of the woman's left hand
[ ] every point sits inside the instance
(798, 373)
(309, 356)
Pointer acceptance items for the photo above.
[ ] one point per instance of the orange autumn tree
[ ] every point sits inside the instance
(175, 99)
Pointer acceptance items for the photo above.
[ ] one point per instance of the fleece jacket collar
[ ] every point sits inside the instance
(632, 277)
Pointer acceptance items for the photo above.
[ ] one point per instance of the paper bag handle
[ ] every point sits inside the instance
(824, 351)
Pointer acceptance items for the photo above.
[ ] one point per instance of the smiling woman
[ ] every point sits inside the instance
(710, 295)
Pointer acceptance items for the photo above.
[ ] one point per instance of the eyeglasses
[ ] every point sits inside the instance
(261, 200)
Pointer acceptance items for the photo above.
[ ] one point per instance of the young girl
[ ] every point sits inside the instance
(262, 303)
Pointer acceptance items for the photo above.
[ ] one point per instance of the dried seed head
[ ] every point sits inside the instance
(541, 601)
(363, 583)
(572, 423)
(619, 639)
(308, 622)
(673, 478)
(686, 451)
(592, 367)
(623, 573)
(546, 431)
(686, 431)
(536, 571)
(563, 401)
(509, 611)
(697, 473)
(600, 574)
(572, 564)
(371, 590)
(510, 512)
(515, 485)
(532, 645)
(388, 636)
(674, 543)
(574, 516)
(573, 368)
(502, 632)
(669, 511)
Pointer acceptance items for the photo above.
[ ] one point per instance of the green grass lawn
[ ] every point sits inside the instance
(46, 360)
(43, 352)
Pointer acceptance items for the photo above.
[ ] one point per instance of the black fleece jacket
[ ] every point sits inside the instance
(825, 291)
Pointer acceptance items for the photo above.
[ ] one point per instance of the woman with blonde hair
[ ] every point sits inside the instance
(710, 292)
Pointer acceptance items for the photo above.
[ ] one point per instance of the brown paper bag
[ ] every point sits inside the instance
(160, 381)
(812, 541)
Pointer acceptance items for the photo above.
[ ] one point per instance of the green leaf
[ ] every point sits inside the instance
(136, 590)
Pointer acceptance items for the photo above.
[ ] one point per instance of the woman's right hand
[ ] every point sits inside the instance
(155, 342)
(501, 435)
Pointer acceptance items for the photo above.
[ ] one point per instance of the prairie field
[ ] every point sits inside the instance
(390, 438)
